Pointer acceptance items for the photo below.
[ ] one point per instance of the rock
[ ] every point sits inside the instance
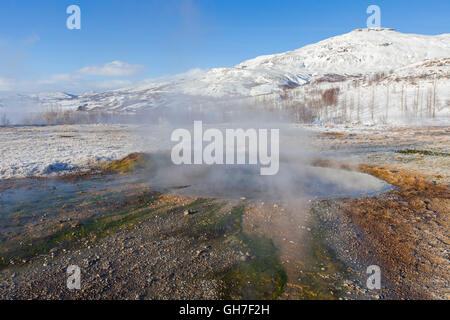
(189, 212)
(200, 252)
(243, 258)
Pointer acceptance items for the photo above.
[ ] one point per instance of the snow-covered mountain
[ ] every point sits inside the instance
(359, 52)
(362, 52)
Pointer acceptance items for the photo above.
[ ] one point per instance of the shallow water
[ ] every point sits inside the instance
(36, 196)
(292, 181)
(36, 205)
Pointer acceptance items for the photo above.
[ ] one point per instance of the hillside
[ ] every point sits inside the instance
(354, 61)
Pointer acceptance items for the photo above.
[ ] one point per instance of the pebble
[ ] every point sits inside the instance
(243, 258)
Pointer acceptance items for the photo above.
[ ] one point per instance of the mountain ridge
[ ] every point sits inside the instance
(356, 54)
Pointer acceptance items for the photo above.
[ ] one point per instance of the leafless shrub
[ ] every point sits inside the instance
(303, 113)
(330, 97)
(375, 78)
(57, 116)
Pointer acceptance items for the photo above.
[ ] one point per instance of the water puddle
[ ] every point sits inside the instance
(292, 182)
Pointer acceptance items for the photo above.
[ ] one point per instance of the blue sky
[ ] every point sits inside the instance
(151, 38)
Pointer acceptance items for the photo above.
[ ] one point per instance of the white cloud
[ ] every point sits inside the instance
(59, 78)
(113, 69)
(76, 82)
(188, 75)
(80, 82)
(112, 84)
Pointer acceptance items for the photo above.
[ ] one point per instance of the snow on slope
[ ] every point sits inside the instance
(429, 69)
(360, 52)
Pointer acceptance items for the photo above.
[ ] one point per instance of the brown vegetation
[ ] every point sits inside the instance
(406, 232)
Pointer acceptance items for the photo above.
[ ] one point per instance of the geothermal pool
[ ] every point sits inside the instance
(27, 203)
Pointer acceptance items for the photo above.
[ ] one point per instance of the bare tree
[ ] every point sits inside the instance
(387, 102)
(344, 107)
(352, 106)
(330, 96)
(429, 101)
(372, 104)
(401, 98)
(4, 121)
(358, 111)
(416, 101)
(434, 98)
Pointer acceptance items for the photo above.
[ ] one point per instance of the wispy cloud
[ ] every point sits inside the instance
(89, 78)
(112, 84)
(32, 39)
(113, 69)
(60, 78)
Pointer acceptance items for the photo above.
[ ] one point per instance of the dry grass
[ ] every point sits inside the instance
(128, 163)
(407, 230)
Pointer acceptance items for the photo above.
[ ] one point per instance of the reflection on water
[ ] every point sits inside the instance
(234, 182)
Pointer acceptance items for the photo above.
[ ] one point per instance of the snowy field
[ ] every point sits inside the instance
(56, 150)
(49, 150)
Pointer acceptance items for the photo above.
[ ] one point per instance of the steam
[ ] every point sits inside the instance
(296, 178)
(16, 109)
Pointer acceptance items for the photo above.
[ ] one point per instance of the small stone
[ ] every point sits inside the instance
(189, 212)
(243, 258)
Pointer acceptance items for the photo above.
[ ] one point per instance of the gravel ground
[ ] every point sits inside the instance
(158, 257)
(172, 255)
